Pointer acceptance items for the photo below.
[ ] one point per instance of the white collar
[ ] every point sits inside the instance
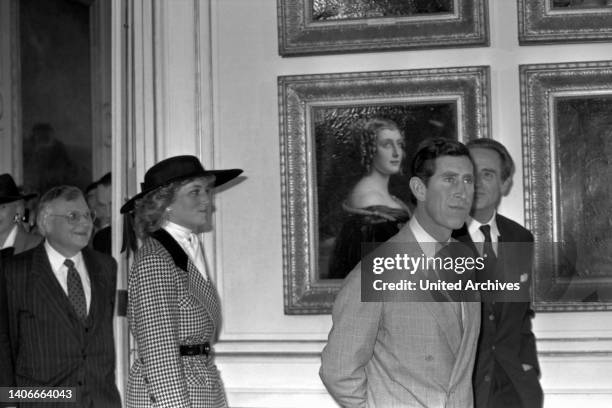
(474, 229)
(57, 260)
(178, 232)
(10, 239)
(427, 243)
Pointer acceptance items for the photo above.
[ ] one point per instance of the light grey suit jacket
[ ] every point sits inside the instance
(399, 354)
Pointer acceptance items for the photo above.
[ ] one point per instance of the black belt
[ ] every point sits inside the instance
(195, 349)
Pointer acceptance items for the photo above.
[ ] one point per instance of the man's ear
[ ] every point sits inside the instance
(41, 223)
(418, 188)
(506, 186)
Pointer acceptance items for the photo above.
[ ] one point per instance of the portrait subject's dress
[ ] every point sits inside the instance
(171, 305)
(372, 224)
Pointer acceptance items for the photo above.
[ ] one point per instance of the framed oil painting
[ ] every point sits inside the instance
(567, 147)
(322, 157)
(564, 21)
(307, 27)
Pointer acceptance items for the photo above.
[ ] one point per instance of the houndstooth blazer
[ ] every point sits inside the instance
(171, 304)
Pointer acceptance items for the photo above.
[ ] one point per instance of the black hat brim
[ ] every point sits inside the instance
(221, 177)
(10, 199)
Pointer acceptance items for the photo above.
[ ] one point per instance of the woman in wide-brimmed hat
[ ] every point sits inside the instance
(12, 209)
(173, 306)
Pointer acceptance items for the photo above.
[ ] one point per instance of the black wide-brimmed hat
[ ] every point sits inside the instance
(9, 191)
(176, 169)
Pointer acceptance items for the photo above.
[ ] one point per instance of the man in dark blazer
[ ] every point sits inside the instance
(507, 370)
(56, 308)
(13, 236)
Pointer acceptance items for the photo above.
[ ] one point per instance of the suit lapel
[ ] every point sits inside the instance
(25, 240)
(50, 291)
(463, 235)
(501, 307)
(466, 350)
(440, 309)
(96, 279)
(20, 243)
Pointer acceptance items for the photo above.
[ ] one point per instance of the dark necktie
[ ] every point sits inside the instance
(487, 248)
(490, 265)
(76, 294)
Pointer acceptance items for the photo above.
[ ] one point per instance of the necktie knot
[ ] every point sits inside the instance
(69, 263)
(486, 231)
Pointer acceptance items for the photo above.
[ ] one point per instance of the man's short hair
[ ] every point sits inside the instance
(424, 161)
(507, 164)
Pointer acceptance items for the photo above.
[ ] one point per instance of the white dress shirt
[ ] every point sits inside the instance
(61, 271)
(477, 235)
(190, 243)
(10, 239)
(428, 244)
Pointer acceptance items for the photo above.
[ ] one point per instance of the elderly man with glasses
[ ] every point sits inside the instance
(56, 310)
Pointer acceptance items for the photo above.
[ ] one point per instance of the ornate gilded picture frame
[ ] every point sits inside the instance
(566, 114)
(308, 27)
(318, 162)
(564, 21)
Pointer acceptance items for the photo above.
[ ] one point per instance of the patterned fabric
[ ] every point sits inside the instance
(170, 306)
(76, 294)
(399, 354)
(43, 343)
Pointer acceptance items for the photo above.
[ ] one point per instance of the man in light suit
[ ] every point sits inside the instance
(410, 354)
(56, 306)
(507, 369)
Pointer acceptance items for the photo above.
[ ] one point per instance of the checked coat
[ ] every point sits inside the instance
(43, 343)
(399, 354)
(171, 304)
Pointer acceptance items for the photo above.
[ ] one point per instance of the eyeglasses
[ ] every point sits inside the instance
(75, 217)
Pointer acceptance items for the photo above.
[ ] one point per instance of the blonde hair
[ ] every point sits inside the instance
(368, 137)
(150, 210)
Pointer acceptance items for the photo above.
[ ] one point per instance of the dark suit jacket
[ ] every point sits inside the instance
(42, 341)
(102, 241)
(23, 241)
(507, 328)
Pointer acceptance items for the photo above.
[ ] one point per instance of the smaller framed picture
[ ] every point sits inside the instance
(308, 27)
(564, 21)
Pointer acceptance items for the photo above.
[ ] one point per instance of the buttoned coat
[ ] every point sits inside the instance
(399, 354)
(43, 343)
(171, 304)
(506, 340)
